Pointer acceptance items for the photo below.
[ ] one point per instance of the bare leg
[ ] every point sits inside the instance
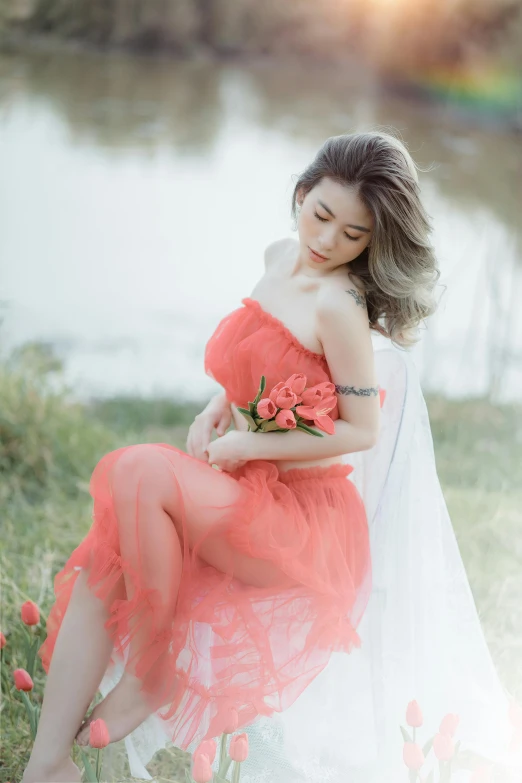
(79, 660)
(150, 543)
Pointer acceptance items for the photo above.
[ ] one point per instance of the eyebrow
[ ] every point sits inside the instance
(350, 225)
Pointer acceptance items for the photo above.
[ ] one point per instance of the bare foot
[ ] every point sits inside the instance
(123, 709)
(67, 772)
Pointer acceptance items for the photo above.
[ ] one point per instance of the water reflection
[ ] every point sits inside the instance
(138, 195)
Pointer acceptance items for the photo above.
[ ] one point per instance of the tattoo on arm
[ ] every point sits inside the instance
(368, 392)
(359, 298)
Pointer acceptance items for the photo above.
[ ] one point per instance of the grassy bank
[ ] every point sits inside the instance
(48, 447)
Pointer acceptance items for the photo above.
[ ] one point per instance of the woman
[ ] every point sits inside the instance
(271, 550)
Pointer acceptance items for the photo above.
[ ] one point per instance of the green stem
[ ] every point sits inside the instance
(30, 712)
(222, 756)
(236, 772)
(89, 771)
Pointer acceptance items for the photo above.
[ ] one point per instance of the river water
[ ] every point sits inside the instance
(137, 196)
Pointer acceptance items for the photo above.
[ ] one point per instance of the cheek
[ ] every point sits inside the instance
(307, 222)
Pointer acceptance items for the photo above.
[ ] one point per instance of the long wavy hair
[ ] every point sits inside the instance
(398, 270)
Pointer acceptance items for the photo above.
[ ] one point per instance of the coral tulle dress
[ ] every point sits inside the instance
(201, 639)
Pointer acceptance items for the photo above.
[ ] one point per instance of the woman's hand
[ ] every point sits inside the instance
(229, 452)
(215, 415)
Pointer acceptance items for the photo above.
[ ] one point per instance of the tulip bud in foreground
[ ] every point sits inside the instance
(448, 724)
(201, 769)
(238, 750)
(98, 734)
(208, 747)
(22, 680)
(30, 613)
(414, 716)
(413, 756)
(3, 641)
(443, 747)
(481, 775)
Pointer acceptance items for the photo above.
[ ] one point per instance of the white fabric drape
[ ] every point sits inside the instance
(421, 634)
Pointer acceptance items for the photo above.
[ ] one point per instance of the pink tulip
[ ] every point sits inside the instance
(481, 774)
(22, 680)
(414, 716)
(201, 769)
(231, 721)
(3, 641)
(515, 713)
(382, 396)
(266, 408)
(286, 420)
(443, 747)
(516, 739)
(296, 382)
(238, 750)
(412, 755)
(98, 734)
(448, 725)
(318, 414)
(208, 747)
(30, 613)
(283, 396)
(316, 394)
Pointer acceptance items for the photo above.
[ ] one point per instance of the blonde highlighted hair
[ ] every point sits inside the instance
(398, 270)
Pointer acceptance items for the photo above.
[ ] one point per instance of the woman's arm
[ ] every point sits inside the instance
(296, 444)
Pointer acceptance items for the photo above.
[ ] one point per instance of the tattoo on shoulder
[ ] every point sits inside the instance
(364, 392)
(359, 298)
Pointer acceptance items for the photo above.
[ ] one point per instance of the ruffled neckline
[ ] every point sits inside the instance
(283, 329)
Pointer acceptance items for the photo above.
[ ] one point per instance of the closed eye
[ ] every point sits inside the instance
(323, 220)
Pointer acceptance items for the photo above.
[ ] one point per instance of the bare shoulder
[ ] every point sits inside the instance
(275, 251)
(343, 303)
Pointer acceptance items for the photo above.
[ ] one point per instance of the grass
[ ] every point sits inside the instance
(49, 446)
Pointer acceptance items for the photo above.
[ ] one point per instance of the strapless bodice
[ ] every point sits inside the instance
(250, 342)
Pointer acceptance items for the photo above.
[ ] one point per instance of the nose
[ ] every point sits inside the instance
(327, 238)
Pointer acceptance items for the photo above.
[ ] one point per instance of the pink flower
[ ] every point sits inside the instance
(266, 408)
(481, 774)
(22, 680)
(231, 721)
(318, 414)
(444, 747)
(208, 747)
(516, 739)
(412, 755)
(3, 641)
(30, 613)
(448, 725)
(286, 420)
(382, 396)
(201, 769)
(98, 734)
(238, 750)
(414, 715)
(317, 393)
(296, 382)
(515, 713)
(283, 396)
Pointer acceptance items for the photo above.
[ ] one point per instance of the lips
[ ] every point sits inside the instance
(318, 254)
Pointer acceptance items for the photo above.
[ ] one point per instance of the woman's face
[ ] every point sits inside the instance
(334, 222)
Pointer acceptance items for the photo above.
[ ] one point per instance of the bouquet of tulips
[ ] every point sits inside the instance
(291, 405)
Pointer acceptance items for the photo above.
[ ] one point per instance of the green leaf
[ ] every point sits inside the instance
(405, 734)
(427, 746)
(305, 428)
(269, 426)
(431, 777)
(31, 657)
(261, 390)
(251, 408)
(188, 777)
